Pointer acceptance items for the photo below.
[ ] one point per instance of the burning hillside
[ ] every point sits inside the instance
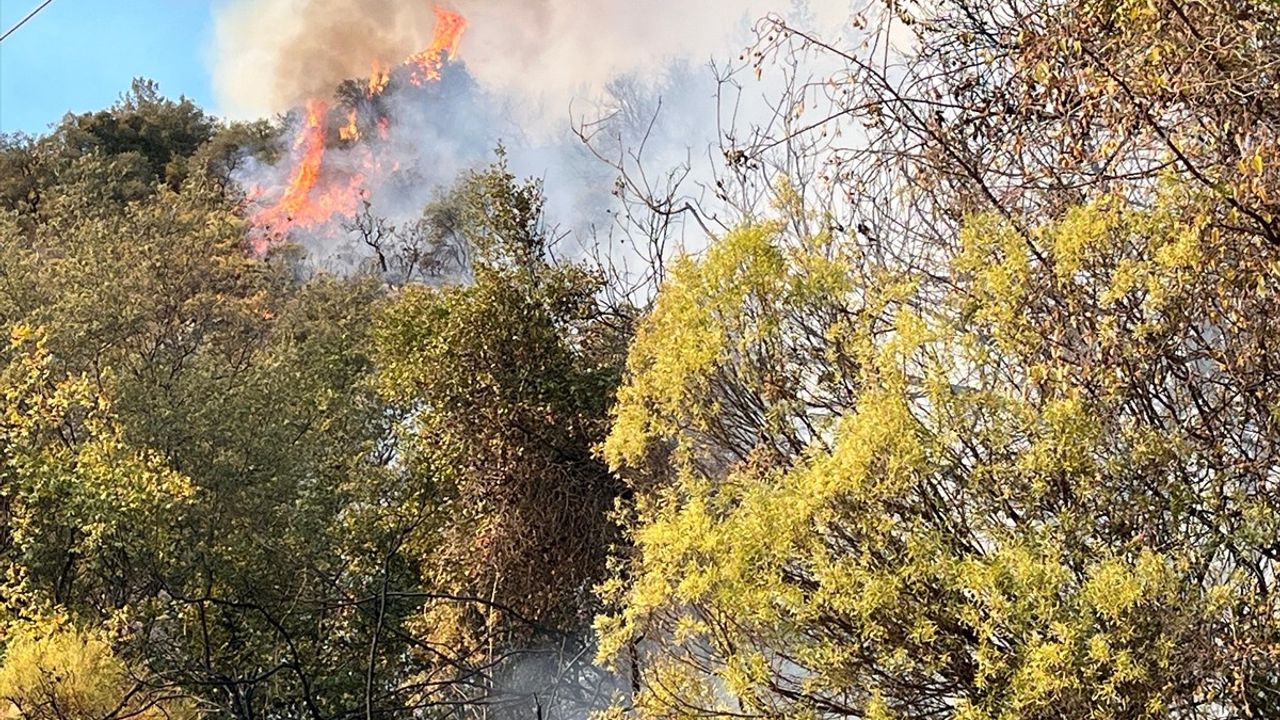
(346, 146)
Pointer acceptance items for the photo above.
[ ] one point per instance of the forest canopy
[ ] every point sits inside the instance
(964, 403)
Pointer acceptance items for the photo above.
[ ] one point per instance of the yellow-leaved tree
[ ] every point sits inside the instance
(52, 670)
(1042, 490)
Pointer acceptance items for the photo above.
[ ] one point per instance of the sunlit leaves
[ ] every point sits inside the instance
(52, 670)
(989, 525)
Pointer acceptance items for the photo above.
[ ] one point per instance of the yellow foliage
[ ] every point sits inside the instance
(103, 492)
(944, 520)
(54, 671)
(691, 327)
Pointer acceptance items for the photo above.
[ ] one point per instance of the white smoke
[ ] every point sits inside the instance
(270, 55)
(532, 68)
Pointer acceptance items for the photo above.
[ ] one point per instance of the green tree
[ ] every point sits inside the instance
(151, 140)
(213, 424)
(163, 133)
(504, 384)
(298, 494)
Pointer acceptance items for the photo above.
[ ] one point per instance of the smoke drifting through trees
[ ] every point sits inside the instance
(630, 76)
(271, 55)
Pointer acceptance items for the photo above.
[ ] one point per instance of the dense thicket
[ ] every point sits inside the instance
(233, 488)
(972, 410)
(979, 421)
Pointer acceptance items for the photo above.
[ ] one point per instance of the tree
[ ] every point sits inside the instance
(54, 671)
(975, 422)
(153, 139)
(278, 489)
(209, 422)
(162, 132)
(504, 384)
(956, 511)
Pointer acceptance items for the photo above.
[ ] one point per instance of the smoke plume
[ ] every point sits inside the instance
(523, 70)
(270, 55)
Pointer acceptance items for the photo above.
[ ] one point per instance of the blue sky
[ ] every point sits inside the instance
(80, 55)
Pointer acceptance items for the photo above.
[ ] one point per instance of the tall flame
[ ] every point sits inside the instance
(312, 197)
(379, 78)
(295, 204)
(444, 46)
(350, 131)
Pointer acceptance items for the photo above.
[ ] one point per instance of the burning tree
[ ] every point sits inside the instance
(316, 195)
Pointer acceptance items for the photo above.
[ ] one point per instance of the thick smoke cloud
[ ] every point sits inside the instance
(269, 55)
(527, 70)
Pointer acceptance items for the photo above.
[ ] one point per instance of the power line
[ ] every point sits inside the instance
(24, 20)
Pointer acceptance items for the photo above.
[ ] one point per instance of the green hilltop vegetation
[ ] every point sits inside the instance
(968, 410)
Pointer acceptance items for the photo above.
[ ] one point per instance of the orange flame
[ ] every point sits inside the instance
(313, 198)
(378, 79)
(444, 46)
(350, 131)
(310, 146)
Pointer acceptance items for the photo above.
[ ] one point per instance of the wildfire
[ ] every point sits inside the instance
(379, 78)
(444, 46)
(314, 194)
(350, 131)
(297, 204)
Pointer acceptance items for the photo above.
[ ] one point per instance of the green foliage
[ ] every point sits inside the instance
(283, 493)
(505, 383)
(80, 500)
(202, 421)
(161, 132)
(146, 140)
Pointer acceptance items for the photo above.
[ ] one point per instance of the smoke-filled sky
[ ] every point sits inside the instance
(526, 66)
(248, 58)
(271, 54)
